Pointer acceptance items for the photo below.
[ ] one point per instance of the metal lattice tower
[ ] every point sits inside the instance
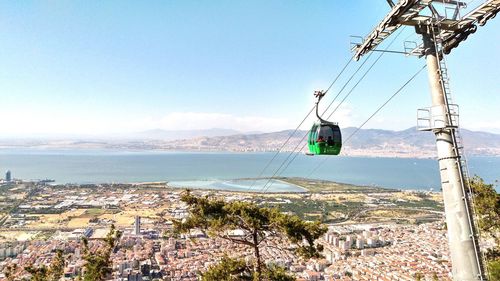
(442, 29)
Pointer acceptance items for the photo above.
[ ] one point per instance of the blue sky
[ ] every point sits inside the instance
(101, 67)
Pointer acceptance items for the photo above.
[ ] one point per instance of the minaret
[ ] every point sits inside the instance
(137, 225)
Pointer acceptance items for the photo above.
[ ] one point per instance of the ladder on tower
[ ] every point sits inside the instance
(454, 130)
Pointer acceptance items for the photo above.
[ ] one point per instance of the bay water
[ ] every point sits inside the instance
(218, 170)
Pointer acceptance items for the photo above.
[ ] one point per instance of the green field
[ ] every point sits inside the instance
(330, 186)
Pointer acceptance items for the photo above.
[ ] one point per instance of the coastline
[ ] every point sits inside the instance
(352, 153)
(150, 168)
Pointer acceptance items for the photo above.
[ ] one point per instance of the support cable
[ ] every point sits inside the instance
(281, 148)
(297, 128)
(371, 116)
(386, 102)
(338, 75)
(265, 187)
(345, 84)
(366, 72)
(284, 164)
(296, 149)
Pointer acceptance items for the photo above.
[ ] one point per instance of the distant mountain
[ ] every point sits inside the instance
(416, 142)
(363, 142)
(155, 134)
(158, 134)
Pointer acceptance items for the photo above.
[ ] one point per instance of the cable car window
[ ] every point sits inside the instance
(326, 132)
(329, 141)
(337, 136)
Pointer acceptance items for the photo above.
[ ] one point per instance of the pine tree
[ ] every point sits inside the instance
(487, 206)
(56, 268)
(228, 270)
(9, 272)
(38, 273)
(53, 273)
(217, 218)
(98, 264)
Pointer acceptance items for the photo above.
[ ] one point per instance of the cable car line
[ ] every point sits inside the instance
(338, 76)
(297, 152)
(357, 70)
(366, 72)
(300, 124)
(266, 187)
(284, 163)
(348, 138)
(371, 116)
(281, 148)
(387, 101)
(268, 183)
(346, 83)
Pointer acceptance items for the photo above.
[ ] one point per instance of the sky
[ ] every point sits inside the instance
(108, 67)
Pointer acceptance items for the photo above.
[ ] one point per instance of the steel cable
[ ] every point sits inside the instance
(371, 116)
(286, 165)
(297, 128)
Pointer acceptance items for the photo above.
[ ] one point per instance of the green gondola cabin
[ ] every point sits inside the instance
(325, 138)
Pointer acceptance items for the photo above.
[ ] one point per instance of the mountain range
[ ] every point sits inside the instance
(357, 142)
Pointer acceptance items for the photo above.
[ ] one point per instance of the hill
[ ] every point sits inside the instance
(365, 142)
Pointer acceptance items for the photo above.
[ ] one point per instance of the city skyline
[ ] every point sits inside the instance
(107, 68)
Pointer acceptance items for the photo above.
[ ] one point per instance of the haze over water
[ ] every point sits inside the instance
(117, 166)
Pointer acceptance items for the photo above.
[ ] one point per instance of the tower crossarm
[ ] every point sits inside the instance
(451, 38)
(401, 12)
(452, 30)
(481, 14)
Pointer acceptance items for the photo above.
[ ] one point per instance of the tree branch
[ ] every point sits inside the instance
(235, 240)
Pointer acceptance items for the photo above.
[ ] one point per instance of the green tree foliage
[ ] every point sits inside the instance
(217, 218)
(487, 206)
(237, 270)
(494, 269)
(56, 268)
(97, 267)
(38, 273)
(9, 272)
(276, 273)
(53, 273)
(228, 270)
(98, 264)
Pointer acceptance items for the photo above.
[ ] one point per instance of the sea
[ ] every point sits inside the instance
(229, 171)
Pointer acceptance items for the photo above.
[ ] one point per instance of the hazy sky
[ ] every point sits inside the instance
(100, 67)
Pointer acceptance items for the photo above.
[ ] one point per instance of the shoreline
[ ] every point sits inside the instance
(159, 169)
(40, 150)
(284, 180)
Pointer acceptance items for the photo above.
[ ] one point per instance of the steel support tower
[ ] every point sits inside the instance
(442, 29)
